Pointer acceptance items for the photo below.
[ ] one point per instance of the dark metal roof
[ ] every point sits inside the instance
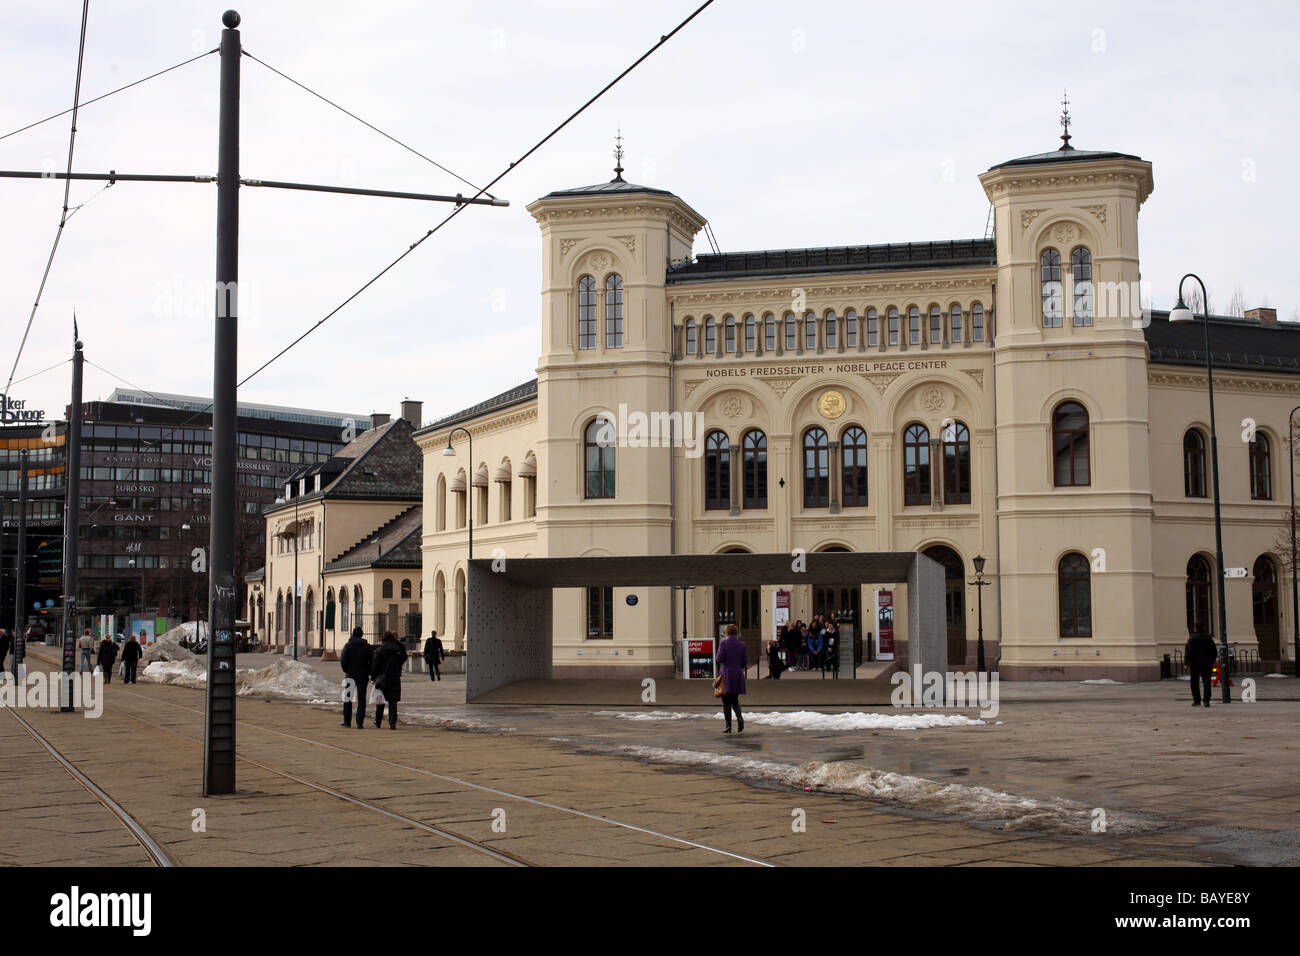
(614, 186)
(877, 258)
(1067, 154)
(1244, 344)
(515, 396)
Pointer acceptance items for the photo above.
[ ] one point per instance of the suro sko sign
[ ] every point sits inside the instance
(14, 411)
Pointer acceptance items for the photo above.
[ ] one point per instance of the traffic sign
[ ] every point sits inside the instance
(1234, 572)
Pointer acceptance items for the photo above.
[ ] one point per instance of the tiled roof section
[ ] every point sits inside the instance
(613, 187)
(1244, 344)
(398, 547)
(258, 575)
(888, 257)
(515, 396)
(381, 463)
(1066, 155)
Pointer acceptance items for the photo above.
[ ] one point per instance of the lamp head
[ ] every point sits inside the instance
(449, 452)
(978, 561)
(1181, 312)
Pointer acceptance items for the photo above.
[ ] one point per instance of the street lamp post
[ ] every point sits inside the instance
(980, 585)
(1295, 591)
(1182, 313)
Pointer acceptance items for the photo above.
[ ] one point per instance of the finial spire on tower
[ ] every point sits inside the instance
(1065, 121)
(618, 156)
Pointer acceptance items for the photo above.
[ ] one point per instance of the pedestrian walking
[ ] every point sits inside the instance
(106, 657)
(386, 669)
(87, 646)
(6, 642)
(1200, 654)
(130, 657)
(433, 655)
(355, 661)
(733, 661)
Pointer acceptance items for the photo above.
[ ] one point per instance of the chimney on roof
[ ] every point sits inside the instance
(378, 418)
(1262, 315)
(411, 412)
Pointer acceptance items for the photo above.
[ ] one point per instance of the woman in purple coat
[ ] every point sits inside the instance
(733, 661)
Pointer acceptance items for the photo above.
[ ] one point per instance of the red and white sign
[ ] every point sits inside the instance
(780, 612)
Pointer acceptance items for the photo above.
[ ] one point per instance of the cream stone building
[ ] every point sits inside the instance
(1003, 397)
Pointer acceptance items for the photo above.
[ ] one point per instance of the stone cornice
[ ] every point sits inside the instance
(819, 295)
(1223, 381)
(579, 209)
(518, 416)
(1054, 177)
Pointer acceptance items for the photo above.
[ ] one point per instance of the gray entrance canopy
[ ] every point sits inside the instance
(509, 615)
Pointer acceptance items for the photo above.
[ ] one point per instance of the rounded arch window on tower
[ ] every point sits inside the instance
(1081, 278)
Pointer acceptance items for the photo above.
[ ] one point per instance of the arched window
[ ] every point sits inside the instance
(1070, 445)
(850, 329)
(832, 331)
(977, 323)
(614, 311)
(751, 335)
(853, 457)
(936, 325)
(598, 454)
(1081, 269)
(586, 313)
(1261, 485)
(357, 606)
(692, 335)
(1075, 590)
(1264, 601)
(769, 332)
(816, 469)
(1050, 277)
(387, 588)
(1194, 464)
(954, 323)
(916, 465)
(406, 589)
(791, 332)
(710, 336)
(440, 602)
(873, 329)
(1198, 596)
(913, 326)
(956, 464)
(717, 471)
(810, 333)
(893, 326)
(440, 505)
(345, 625)
(754, 476)
(730, 330)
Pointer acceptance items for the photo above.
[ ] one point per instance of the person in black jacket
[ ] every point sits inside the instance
(386, 669)
(106, 658)
(355, 661)
(433, 655)
(774, 663)
(5, 643)
(1200, 654)
(130, 656)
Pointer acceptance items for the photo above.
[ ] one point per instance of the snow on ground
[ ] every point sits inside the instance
(811, 720)
(168, 646)
(288, 679)
(913, 793)
(1104, 680)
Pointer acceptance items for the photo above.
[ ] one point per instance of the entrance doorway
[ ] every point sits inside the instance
(954, 599)
(1264, 598)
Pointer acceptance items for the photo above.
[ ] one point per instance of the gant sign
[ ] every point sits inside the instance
(14, 411)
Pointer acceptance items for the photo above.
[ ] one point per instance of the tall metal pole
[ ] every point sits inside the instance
(219, 730)
(71, 533)
(20, 593)
(979, 603)
(1218, 520)
(1295, 590)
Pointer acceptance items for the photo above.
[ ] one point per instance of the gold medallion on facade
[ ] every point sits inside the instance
(831, 404)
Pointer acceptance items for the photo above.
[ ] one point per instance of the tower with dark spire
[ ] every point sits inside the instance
(618, 157)
(1065, 121)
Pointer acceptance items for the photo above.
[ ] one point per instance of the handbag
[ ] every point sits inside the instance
(377, 695)
(719, 686)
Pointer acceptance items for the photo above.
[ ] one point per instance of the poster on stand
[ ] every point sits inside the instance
(884, 625)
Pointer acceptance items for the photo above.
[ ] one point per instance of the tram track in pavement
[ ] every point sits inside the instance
(443, 831)
(157, 855)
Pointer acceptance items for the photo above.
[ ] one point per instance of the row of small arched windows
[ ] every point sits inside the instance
(1054, 293)
(1260, 458)
(749, 335)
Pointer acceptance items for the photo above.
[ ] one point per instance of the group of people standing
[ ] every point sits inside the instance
(806, 647)
(366, 665)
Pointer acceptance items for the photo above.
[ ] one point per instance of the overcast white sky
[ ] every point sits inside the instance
(785, 124)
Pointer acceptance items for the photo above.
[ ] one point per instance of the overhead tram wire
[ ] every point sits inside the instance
(19, 381)
(103, 96)
(363, 122)
(500, 176)
(67, 188)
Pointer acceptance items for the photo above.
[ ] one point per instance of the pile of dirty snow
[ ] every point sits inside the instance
(167, 647)
(812, 720)
(191, 672)
(287, 679)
